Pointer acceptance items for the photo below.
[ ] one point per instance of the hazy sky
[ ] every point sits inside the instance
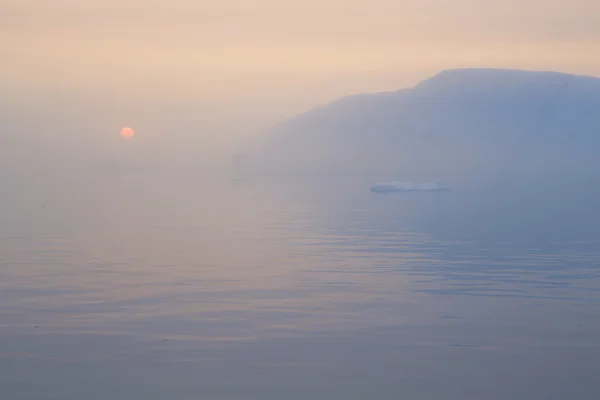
(272, 57)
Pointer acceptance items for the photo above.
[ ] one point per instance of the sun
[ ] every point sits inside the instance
(127, 133)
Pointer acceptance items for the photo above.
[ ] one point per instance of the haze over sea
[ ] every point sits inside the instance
(152, 284)
(186, 213)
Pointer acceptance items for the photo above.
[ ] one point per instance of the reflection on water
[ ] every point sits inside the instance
(129, 290)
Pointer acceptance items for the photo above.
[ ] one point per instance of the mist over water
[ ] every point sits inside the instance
(173, 281)
(172, 266)
(233, 250)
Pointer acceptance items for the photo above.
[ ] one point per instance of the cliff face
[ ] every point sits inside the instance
(457, 120)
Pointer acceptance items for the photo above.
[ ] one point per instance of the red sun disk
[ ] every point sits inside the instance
(127, 133)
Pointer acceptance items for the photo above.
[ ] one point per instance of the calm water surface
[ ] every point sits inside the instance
(139, 287)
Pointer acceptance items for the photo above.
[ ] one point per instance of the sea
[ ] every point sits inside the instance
(146, 285)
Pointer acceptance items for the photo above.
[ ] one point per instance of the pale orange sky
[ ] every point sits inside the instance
(289, 55)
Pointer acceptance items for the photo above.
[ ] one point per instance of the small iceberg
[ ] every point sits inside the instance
(388, 187)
